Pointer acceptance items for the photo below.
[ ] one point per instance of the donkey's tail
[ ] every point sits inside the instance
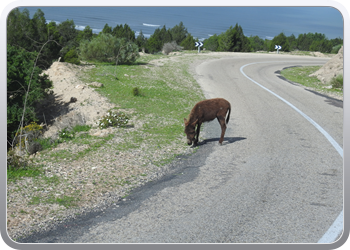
(229, 112)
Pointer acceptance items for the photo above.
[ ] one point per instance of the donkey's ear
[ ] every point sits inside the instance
(194, 123)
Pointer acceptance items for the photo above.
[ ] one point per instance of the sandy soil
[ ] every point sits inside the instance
(331, 69)
(74, 102)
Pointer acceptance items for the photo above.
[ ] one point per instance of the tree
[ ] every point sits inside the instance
(23, 78)
(125, 31)
(51, 51)
(188, 43)
(85, 34)
(281, 40)
(256, 43)
(39, 27)
(292, 42)
(17, 29)
(267, 44)
(67, 38)
(233, 40)
(304, 41)
(178, 33)
(106, 29)
(324, 46)
(157, 40)
(211, 43)
(31, 34)
(226, 40)
(141, 41)
(107, 47)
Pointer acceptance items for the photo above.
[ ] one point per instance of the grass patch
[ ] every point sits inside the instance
(302, 76)
(64, 135)
(14, 174)
(94, 144)
(337, 82)
(168, 93)
(64, 200)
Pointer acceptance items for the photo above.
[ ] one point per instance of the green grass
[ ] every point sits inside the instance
(29, 171)
(337, 82)
(162, 98)
(64, 200)
(301, 75)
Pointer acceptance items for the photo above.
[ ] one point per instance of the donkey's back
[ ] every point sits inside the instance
(208, 110)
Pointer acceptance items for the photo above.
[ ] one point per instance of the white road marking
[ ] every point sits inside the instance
(336, 229)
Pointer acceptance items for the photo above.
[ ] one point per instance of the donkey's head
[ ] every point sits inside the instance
(190, 131)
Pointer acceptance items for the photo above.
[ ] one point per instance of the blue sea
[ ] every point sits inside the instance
(203, 22)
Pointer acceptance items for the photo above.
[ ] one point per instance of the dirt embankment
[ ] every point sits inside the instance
(73, 101)
(331, 69)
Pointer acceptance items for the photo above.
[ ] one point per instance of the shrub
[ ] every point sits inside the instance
(15, 162)
(337, 82)
(28, 140)
(113, 119)
(71, 57)
(136, 91)
(336, 49)
(106, 47)
(66, 134)
(170, 47)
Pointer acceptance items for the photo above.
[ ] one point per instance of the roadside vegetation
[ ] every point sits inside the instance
(302, 76)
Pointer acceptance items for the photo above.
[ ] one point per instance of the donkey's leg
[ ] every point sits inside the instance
(197, 133)
(222, 122)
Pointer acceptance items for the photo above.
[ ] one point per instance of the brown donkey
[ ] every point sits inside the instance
(205, 111)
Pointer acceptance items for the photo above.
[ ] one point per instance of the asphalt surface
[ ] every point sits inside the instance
(275, 179)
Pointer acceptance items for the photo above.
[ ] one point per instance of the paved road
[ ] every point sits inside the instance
(276, 178)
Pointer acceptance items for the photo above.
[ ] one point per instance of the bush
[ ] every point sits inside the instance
(136, 91)
(71, 57)
(112, 119)
(336, 49)
(106, 48)
(15, 162)
(170, 47)
(28, 140)
(337, 82)
(66, 134)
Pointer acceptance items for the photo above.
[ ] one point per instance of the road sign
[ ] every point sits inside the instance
(199, 45)
(278, 47)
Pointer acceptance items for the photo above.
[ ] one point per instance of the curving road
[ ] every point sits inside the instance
(275, 179)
